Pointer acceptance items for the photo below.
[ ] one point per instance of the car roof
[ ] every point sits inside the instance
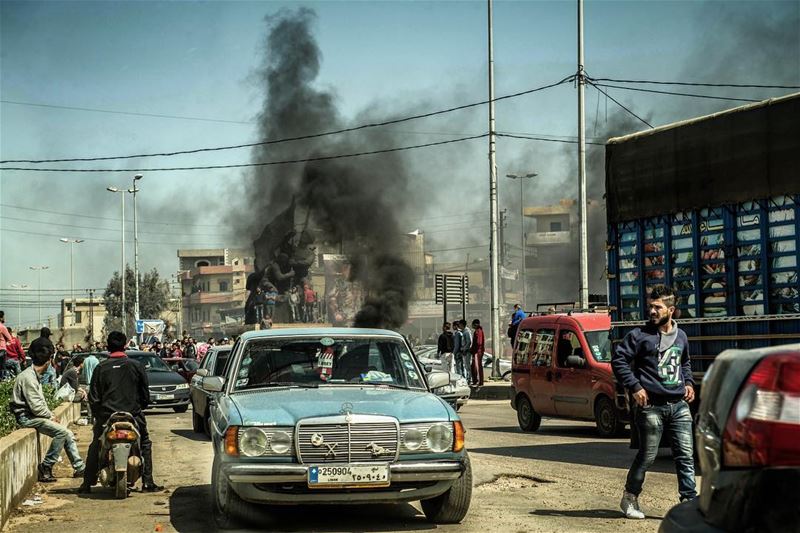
(587, 321)
(330, 332)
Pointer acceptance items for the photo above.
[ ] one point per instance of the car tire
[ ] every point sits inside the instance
(452, 506)
(606, 416)
(207, 424)
(181, 408)
(227, 508)
(198, 424)
(507, 376)
(528, 419)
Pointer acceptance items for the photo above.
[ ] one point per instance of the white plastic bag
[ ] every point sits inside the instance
(66, 392)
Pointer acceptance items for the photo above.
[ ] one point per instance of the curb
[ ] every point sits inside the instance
(493, 391)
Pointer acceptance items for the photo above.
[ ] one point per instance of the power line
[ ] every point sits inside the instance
(696, 84)
(115, 219)
(619, 104)
(61, 224)
(297, 138)
(243, 165)
(673, 93)
(116, 241)
(542, 139)
(459, 248)
(129, 113)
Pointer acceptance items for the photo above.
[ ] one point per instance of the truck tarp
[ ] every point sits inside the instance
(730, 157)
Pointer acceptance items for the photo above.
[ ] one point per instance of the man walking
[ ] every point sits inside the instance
(477, 349)
(444, 347)
(119, 384)
(30, 409)
(652, 363)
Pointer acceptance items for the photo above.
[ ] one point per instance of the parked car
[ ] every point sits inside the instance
(213, 365)
(561, 368)
(186, 367)
(168, 389)
(747, 438)
(457, 392)
(505, 366)
(334, 416)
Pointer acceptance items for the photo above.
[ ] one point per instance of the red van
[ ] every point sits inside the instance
(561, 368)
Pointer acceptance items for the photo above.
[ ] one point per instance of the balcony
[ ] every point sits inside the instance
(229, 297)
(215, 270)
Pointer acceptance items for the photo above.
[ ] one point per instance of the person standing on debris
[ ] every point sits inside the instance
(259, 302)
(270, 297)
(29, 407)
(294, 303)
(444, 347)
(477, 350)
(652, 363)
(310, 298)
(119, 384)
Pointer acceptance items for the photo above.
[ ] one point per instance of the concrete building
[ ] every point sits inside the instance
(87, 317)
(212, 286)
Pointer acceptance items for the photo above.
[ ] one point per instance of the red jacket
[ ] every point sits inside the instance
(478, 345)
(14, 350)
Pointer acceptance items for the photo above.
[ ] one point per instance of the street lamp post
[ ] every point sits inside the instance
(38, 269)
(71, 242)
(122, 269)
(521, 177)
(19, 303)
(133, 190)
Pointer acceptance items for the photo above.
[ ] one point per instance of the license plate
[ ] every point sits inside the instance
(348, 476)
(165, 396)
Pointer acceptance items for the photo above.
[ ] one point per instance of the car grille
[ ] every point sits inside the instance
(347, 439)
(162, 388)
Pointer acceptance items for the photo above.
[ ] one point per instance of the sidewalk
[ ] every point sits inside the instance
(493, 390)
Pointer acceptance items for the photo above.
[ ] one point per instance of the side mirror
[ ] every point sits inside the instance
(212, 383)
(576, 361)
(202, 372)
(438, 379)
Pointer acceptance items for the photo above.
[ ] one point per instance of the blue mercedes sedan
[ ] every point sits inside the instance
(334, 416)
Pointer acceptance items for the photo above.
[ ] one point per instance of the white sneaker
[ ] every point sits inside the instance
(630, 506)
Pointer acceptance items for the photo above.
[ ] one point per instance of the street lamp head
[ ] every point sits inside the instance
(137, 177)
(63, 239)
(112, 189)
(77, 241)
(531, 175)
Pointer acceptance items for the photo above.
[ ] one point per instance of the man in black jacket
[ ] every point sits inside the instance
(119, 384)
(444, 348)
(652, 363)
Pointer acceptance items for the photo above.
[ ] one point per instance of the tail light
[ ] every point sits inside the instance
(121, 434)
(763, 428)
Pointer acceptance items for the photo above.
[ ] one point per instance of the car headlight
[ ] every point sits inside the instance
(462, 382)
(412, 439)
(439, 438)
(182, 386)
(280, 442)
(253, 442)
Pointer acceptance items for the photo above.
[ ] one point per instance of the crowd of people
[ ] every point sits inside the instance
(185, 347)
(461, 349)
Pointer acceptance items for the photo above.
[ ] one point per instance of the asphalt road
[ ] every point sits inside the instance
(561, 478)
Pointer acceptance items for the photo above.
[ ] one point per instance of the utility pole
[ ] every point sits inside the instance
(19, 303)
(91, 315)
(71, 242)
(493, 209)
(38, 269)
(584, 250)
(133, 191)
(122, 268)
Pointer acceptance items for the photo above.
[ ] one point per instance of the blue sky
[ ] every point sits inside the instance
(197, 59)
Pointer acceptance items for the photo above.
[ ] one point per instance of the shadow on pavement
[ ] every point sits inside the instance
(191, 435)
(190, 511)
(585, 513)
(583, 431)
(610, 454)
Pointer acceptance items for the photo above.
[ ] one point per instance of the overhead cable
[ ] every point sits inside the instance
(525, 137)
(697, 84)
(673, 93)
(244, 165)
(619, 104)
(296, 138)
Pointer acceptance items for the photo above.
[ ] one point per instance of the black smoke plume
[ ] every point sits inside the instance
(352, 202)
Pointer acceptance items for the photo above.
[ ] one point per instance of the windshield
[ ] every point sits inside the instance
(151, 363)
(600, 344)
(327, 360)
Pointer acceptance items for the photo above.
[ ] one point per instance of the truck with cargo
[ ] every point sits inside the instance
(711, 207)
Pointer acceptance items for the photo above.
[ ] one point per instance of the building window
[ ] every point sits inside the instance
(78, 317)
(555, 226)
(223, 286)
(202, 263)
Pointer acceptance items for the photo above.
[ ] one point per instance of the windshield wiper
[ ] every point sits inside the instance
(374, 383)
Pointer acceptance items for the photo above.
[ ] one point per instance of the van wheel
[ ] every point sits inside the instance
(529, 420)
(452, 506)
(607, 418)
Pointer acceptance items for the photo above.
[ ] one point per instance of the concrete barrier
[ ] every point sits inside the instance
(20, 454)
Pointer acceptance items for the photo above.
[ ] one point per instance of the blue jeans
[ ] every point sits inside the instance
(62, 438)
(652, 421)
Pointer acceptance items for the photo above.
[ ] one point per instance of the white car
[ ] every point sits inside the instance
(457, 392)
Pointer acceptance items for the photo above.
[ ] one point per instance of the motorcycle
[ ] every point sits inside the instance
(120, 455)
